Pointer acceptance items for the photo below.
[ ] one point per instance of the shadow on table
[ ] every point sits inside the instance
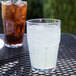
(17, 61)
(14, 61)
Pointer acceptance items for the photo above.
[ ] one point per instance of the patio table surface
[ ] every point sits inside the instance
(16, 62)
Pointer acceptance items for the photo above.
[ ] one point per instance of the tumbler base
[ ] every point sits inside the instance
(14, 45)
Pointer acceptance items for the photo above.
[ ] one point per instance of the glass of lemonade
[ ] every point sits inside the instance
(43, 42)
(14, 19)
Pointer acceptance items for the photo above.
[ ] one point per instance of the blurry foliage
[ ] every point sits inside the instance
(65, 10)
(35, 9)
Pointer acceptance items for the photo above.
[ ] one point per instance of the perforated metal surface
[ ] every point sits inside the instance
(16, 62)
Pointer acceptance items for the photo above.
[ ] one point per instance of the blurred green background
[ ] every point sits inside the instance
(65, 10)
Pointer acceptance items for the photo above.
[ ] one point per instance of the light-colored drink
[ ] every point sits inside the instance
(43, 42)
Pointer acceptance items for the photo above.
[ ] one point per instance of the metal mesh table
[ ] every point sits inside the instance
(16, 62)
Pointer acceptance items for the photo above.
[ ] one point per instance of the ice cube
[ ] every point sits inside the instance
(7, 3)
(21, 3)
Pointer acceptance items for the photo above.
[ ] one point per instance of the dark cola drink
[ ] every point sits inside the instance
(14, 19)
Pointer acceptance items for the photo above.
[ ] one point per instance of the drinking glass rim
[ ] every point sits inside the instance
(15, 1)
(46, 19)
